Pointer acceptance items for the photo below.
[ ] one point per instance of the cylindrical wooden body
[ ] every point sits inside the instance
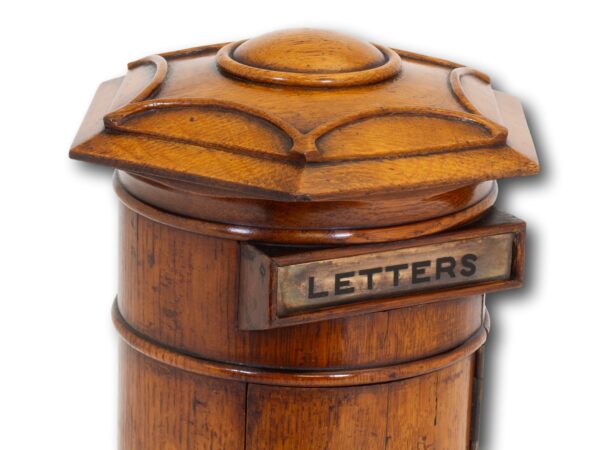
(307, 237)
(191, 379)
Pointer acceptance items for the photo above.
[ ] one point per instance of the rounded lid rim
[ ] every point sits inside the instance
(390, 68)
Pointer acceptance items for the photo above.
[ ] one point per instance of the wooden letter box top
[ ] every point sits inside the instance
(299, 141)
(306, 137)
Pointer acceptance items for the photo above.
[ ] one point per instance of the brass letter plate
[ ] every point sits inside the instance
(313, 285)
(286, 286)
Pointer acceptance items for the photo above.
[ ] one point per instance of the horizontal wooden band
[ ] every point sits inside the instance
(307, 237)
(309, 378)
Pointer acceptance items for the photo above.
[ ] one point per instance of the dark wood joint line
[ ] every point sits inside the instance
(477, 398)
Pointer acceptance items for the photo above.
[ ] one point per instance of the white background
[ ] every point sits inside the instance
(58, 264)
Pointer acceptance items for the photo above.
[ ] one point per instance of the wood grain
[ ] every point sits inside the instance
(302, 377)
(310, 236)
(311, 144)
(425, 413)
(432, 412)
(316, 418)
(163, 408)
(181, 289)
(359, 119)
(217, 205)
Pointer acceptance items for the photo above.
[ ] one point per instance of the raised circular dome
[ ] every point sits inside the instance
(309, 51)
(309, 57)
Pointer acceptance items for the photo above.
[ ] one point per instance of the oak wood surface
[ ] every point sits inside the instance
(215, 205)
(307, 142)
(301, 377)
(166, 408)
(181, 289)
(304, 236)
(282, 124)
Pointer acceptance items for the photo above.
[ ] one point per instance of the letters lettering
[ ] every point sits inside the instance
(390, 272)
(395, 275)
(311, 289)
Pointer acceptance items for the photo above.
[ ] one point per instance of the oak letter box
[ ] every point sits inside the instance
(307, 234)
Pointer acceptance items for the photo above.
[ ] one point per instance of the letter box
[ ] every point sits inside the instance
(307, 235)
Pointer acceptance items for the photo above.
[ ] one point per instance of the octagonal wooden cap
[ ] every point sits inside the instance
(306, 115)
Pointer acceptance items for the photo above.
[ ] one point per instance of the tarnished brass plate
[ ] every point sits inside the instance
(284, 286)
(318, 284)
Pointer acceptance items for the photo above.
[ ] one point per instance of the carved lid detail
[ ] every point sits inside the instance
(305, 115)
(313, 58)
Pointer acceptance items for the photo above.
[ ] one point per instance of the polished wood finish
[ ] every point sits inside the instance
(425, 412)
(191, 117)
(307, 236)
(311, 144)
(262, 139)
(182, 289)
(162, 407)
(249, 212)
(306, 377)
(166, 408)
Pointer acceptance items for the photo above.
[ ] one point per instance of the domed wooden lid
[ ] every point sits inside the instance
(309, 58)
(306, 115)
(294, 51)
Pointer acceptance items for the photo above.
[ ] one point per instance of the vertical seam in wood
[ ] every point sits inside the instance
(246, 390)
(437, 383)
(236, 301)
(477, 397)
(387, 418)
